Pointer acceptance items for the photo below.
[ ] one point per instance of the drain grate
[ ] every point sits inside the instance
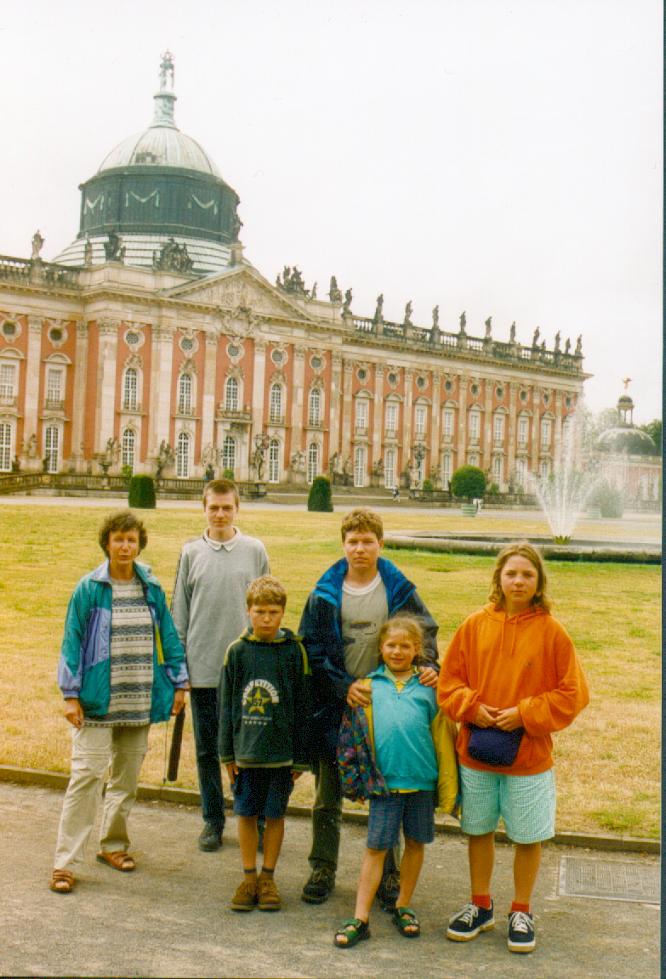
(610, 880)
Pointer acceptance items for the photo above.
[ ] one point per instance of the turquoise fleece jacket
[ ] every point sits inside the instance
(84, 669)
(404, 748)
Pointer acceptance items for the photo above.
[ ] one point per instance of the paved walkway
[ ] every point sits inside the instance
(171, 917)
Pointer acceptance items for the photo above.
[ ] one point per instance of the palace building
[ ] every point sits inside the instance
(151, 342)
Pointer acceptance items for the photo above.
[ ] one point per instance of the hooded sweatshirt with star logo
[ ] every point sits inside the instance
(527, 661)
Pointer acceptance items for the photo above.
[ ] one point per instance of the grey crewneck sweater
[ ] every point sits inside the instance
(208, 605)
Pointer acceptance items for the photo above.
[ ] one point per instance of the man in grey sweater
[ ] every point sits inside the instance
(210, 612)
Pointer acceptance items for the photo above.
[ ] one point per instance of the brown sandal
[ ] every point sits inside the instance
(62, 881)
(118, 859)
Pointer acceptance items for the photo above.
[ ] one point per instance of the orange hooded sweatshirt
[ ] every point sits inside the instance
(528, 661)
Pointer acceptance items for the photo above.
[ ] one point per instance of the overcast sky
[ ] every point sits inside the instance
(503, 158)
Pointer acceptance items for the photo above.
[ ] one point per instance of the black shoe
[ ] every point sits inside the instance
(521, 932)
(210, 838)
(469, 922)
(388, 890)
(319, 886)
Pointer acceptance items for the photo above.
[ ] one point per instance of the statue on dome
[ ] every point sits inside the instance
(334, 294)
(88, 252)
(346, 306)
(37, 245)
(114, 250)
(166, 71)
(172, 257)
(236, 225)
(379, 309)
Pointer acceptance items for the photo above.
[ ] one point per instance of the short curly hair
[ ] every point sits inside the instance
(122, 520)
(362, 521)
(266, 590)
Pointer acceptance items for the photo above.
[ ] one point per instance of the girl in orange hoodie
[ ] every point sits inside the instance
(511, 677)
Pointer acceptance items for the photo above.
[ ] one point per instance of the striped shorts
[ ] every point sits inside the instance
(526, 803)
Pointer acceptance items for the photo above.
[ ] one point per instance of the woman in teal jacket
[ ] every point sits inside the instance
(122, 667)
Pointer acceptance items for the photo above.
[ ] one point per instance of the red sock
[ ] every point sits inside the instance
(482, 901)
(517, 906)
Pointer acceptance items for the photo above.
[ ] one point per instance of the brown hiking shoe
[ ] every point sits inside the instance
(268, 896)
(245, 898)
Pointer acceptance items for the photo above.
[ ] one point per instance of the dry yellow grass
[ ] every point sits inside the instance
(607, 763)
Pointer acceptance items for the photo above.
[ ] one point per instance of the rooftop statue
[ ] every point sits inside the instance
(557, 342)
(488, 327)
(166, 71)
(88, 252)
(463, 321)
(512, 334)
(579, 345)
(334, 293)
(313, 291)
(535, 338)
(114, 250)
(435, 318)
(346, 306)
(172, 257)
(408, 314)
(379, 309)
(567, 346)
(37, 245)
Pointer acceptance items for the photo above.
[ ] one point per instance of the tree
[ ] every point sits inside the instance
(142, 492)
(654, 430)
(319, 498)
(468, 482)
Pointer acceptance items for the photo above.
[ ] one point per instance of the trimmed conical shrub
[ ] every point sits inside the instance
(319, 498)
(142, 492)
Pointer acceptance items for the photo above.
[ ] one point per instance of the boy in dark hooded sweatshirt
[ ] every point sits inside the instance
(511, 672)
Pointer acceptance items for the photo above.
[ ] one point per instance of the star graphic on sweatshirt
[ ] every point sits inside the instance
(256, 702)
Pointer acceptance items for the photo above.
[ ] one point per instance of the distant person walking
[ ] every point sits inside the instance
(122, 667)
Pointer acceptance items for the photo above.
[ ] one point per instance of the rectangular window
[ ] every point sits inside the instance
(497, 470)
(362, 416)
(545, 433)
(523, 429)
(446, 470)
(391, 422)
(389, 468)
(420, 416)
(5, 447)
(7, 380)
(448, 422)
(474, 424)
(498, 428)
(53, 385)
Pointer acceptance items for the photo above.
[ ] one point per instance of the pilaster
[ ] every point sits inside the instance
(161, 370)
(462, 422)
(297, 400)
(435, 422)
(378, 420)
(106, 381)
(79, 395)
(258, 382)
(511, 434)
(208, 397)
(32, 374)
(335, 408)
(348, 369)
(487, 434)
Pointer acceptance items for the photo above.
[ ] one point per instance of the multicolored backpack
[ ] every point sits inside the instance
(359, 776)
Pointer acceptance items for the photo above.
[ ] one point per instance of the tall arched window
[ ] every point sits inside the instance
(274, 461)
(314, 407)
(359, 465)
(389, 469)
(183, 454)
(51, 447)
(231, 394)
(130, 388)
(128, 445)
(276, 410)
(5, 447)
(446, 470)
(313, 461)
(229, 453)
(185, 394)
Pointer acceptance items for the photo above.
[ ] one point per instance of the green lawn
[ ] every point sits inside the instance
(607, 762)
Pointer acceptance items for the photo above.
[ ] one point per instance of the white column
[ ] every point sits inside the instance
(511, 438)
(208, 399)
(335, 407)
(32, 371)
(462, 423)
(378, 415)
(107, 355)
(79, 399)
(407, 416)
(258, 383)
(159, 416)
(346, 411)
(435, 420)
(536, 424)
(297, 399)
(488, 426)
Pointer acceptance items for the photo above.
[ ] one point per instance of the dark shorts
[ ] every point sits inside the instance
(414, 811)
(262, 791)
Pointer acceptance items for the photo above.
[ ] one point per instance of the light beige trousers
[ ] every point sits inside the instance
(95, 750)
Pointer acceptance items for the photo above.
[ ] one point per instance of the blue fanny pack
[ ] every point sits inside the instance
(491, 746)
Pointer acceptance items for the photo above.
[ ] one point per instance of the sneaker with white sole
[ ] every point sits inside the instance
(469, 921)
(521, 932)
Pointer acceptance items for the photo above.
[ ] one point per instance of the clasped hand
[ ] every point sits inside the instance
(505, 718)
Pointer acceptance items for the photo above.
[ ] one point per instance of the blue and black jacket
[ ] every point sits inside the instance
(321, 629)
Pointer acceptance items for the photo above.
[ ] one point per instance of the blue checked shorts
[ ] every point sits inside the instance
(414, 811)
(262, 790)
(526, 803)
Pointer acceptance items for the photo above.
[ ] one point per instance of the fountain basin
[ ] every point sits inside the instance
(623, 552)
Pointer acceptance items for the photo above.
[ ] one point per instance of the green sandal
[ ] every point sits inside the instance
(352, 931)
(404, 919)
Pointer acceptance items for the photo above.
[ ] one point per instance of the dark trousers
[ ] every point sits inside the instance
(205, 724)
